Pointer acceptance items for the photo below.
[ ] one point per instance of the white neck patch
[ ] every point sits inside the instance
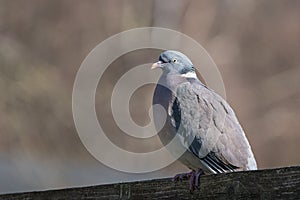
(189, 75)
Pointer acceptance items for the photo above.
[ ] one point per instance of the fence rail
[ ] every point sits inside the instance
(281, 183)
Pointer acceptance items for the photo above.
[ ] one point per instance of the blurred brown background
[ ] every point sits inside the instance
(255, 44)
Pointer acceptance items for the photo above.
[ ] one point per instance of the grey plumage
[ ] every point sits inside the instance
(207, 126)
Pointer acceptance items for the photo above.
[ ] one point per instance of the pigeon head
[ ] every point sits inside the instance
(174, 62)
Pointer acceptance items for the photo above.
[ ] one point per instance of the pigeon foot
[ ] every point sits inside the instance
(193, 176)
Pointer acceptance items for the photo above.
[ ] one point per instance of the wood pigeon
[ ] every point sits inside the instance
(205, 125)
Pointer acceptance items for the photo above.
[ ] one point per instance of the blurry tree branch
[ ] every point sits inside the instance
(169, 14)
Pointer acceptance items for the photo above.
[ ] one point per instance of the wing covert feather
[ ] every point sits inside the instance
(209, 127)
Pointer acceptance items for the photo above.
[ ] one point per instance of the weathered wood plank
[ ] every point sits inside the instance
(282, 183)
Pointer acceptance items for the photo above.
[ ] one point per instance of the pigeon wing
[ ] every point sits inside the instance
(209, 128)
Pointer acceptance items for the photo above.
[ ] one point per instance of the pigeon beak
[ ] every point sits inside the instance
(156, 65)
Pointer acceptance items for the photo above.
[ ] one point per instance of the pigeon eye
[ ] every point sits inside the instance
(174, 60)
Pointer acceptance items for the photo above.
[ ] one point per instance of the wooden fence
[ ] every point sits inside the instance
(282, 183)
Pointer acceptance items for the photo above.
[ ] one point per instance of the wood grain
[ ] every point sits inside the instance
(281, 183)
